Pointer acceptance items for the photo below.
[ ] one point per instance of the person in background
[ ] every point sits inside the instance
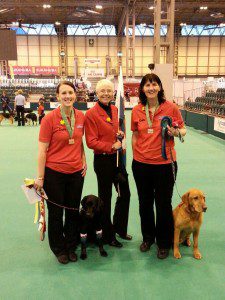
(101, 132)
(5, 103)
(41, 110)
(61, 171)
(19, 104)
(154, 175)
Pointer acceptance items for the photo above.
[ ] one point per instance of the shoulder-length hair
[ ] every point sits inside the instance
(151, 78)
(66, 83)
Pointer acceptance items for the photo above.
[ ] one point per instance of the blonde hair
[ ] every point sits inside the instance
(19, 92)
(104, 82)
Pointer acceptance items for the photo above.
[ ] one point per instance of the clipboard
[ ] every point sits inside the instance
(32, 195)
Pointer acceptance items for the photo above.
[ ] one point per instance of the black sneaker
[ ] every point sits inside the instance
(163, 253)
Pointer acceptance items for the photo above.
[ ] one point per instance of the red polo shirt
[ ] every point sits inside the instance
(100, 130)
(61, 156)
(148, 146)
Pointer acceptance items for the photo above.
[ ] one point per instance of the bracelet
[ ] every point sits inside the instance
(40, 178)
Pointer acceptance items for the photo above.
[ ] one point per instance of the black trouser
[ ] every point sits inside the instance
(40, 118)
(66, 190)
(6, 107)
(20, 114)
(106, 171)
(155, 185)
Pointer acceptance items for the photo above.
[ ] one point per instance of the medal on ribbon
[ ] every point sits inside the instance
(69, 127)
(150, 129)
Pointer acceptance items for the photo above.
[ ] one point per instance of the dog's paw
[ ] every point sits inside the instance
(104, 253)
(197, 255)
(177, 254)
(83, 256)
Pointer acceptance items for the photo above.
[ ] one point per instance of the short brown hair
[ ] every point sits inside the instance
(66, 83)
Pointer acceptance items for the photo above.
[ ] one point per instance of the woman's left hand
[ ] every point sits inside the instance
(172, 131)
(84, 169)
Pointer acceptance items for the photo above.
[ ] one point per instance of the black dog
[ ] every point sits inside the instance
(31, 117)
(28, 110)
(90, 220)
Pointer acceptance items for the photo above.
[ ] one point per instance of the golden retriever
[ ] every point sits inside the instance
(188, 217)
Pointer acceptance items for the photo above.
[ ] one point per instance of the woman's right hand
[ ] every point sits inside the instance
(38, 184)
(117, 145)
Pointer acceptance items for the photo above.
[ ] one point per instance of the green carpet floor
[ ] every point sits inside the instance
(28, 270)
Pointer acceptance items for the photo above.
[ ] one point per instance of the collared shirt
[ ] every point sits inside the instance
(100, 129)
(61, 156)
(106, 108)
(20, 100)
(148, 147)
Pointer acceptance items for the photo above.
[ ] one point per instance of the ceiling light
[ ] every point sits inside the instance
(222, 25)
(57, 23)
(151, 7)
(183, 24)
(98, 6)
(203, 7)
(46, 6)
(93, 11)
(15, 23)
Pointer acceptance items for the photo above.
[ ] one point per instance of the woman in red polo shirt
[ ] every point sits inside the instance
(101, 131)
(153, 174)
(61, 171)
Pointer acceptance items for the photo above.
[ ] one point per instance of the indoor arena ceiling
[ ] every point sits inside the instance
(112, 12)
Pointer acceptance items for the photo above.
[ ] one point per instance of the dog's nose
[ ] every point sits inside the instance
(204, 209)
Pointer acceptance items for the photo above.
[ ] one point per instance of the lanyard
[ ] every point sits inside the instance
(147, 114)
(70, 128)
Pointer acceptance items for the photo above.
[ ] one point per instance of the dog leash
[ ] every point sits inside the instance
(62, 206)
(164, 123)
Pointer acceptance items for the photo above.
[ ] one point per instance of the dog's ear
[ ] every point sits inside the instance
(185, 198)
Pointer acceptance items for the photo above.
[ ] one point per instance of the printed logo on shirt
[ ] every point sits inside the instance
(80, 126)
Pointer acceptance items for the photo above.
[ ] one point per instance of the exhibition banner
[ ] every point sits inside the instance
(46, 70)
(22, 70)
(219, 124)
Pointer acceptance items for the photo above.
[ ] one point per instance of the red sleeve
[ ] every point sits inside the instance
(91, 135)
(177, 117)
(134, 122)
(45, 133)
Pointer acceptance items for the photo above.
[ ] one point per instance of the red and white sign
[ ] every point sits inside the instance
(46, 70)
(22, 70)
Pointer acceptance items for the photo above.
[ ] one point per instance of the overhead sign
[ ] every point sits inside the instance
(92, 73)
(22, 70)
(92, 61)
(39, 70)
(46, 70)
